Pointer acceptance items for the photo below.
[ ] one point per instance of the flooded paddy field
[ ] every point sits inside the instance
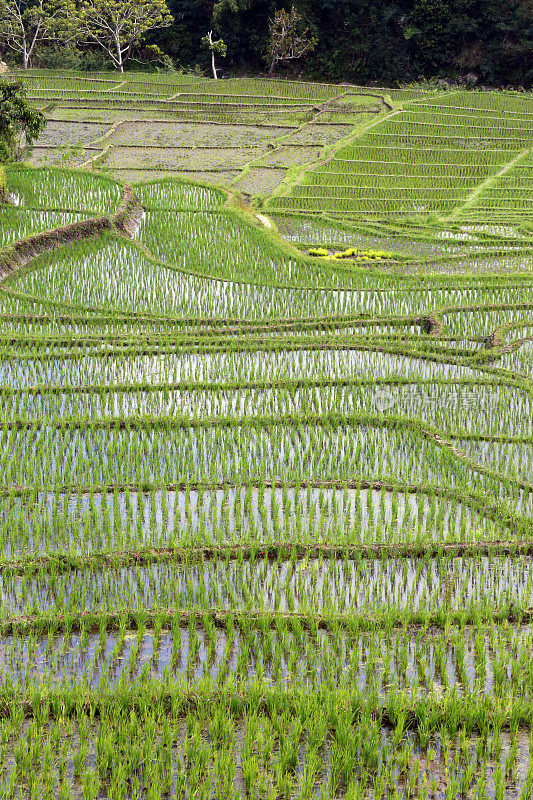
(266, 497)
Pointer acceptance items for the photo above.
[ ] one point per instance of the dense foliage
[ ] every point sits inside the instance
(117, 27)
(363, 40)
(475, 41)
(19, 122)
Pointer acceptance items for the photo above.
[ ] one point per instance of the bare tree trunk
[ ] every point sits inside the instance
(25, 59)
(213, 65)
(120, 63)
(272, 66)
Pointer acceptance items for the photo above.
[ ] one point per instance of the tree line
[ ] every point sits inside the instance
(116, 27)
(360, 41)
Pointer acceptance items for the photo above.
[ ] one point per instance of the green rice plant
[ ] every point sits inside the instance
(427, 158)
(265, 515)
(63, 190)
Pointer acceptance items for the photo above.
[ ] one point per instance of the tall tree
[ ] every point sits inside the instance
(289, 38)
(117, 26)
(20, 124)
(215, 46)
(25, 24)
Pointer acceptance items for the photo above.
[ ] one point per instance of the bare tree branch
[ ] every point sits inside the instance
(118, 25)
(289, 39)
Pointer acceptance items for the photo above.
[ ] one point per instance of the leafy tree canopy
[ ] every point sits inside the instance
(116, 26)
(20, 124)
(289, 38)
(370, 40)
(26, 24)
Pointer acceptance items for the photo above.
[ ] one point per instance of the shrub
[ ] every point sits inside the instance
(20, 124)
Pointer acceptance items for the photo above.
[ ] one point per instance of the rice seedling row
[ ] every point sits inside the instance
(266, 501)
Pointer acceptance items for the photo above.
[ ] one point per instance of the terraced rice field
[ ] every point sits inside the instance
(249, 133)
(266, 495)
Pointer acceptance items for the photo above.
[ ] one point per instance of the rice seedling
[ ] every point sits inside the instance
(266, 499)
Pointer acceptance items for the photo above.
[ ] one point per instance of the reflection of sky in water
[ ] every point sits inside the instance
(448, 663)
(519, 360)
(135, 520)
(479, 409)
(222, 366)
(19, 223)
(115, 276)
(512, 459)
(225, 454)
(327, 586)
